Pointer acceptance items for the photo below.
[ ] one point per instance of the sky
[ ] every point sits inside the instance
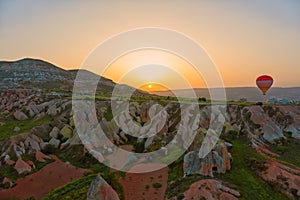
(244, 39)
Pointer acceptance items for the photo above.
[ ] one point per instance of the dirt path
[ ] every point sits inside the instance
(40, 183)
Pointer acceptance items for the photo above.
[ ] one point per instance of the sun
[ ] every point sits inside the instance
(149, 86)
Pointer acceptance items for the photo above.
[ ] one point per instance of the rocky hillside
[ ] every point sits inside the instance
(260, 141)
(31, 73)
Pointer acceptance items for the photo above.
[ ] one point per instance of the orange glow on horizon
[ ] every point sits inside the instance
(154, 66)
(152, 87)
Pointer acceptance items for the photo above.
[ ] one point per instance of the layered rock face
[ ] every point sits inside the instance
(217, 161)
(265, 123)
(210, 189)
(101, 190)
(287, 179)
(25, 71)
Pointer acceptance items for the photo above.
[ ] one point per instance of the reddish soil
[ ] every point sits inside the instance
(40, 183)
(140, 185)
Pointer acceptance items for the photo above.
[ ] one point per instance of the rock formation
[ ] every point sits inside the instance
(217, 161)
(210, 189)
(22, 167)
(101, 190)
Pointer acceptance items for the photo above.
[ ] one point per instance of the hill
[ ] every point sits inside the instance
(29, 73)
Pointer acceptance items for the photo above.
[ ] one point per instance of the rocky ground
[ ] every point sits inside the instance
(263, 128)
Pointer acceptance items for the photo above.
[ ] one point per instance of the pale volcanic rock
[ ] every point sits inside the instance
(7, 181)
(39, 156)
(21, 166)
(19, 115)
(54, 142)
(54, 133)
(271, 131)
(66, 131)
(210, 189)
(33, 142)
(17, 129)
(217, 161)
(29, 162)
(10, 162)
(286, 178)
(101, 190)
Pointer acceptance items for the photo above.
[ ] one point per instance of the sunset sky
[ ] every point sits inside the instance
(243, 38)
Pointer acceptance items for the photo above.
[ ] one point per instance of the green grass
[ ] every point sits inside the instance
(7, 130)
(76, 190)
(76, 157)
(243, 177)
(289, 150)
(9, 172)
(156, 185)
(179, 184)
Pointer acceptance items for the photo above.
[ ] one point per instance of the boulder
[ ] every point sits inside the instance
(39, 156)
(19, 115)
(10, 162)
(53, 110)
(54, 142)
(74, 140)
(32, 143)
(54, 133)
(43, 145)
(101, 190)
(29, 162)
(21, 166)
(66, 131)
(17, 129)
(8, 182)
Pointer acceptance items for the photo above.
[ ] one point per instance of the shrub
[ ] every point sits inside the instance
(157, 185)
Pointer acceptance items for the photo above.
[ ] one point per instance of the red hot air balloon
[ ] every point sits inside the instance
(264, 82)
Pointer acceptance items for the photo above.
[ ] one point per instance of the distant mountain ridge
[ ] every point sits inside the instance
(237, 93)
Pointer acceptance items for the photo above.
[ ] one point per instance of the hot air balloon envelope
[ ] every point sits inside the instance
(264, 83)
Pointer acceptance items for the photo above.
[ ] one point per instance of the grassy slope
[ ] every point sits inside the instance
(242, 176)
(289, 150)
(75, 190)
(6, 130)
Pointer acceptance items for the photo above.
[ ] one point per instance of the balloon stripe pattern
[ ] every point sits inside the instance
(264, 83)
